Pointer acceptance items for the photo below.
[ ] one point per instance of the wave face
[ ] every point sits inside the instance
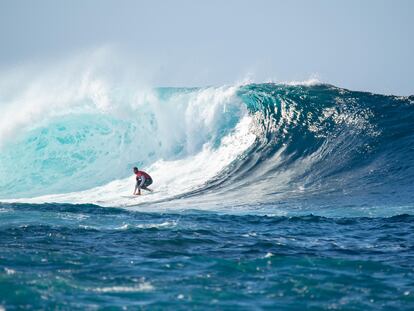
(325, 142)
(261, 145)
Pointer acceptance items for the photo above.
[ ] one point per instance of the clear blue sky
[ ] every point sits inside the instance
(358, 44)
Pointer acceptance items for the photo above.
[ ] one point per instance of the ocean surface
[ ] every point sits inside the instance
(266, 197)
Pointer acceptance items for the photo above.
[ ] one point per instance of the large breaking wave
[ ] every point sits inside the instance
(218, 147)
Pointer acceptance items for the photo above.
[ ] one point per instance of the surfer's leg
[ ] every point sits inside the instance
(146, 184)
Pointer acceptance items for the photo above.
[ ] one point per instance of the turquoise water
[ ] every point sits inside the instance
(310, 207)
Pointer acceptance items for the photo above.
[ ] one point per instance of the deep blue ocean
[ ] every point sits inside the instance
(266, 197)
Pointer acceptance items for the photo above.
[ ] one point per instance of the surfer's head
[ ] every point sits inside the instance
(135, 169)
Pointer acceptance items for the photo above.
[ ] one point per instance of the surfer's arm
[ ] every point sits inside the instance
(137, 189)
(142, 181)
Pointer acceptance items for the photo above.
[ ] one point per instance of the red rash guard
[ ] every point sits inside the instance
(142, 173)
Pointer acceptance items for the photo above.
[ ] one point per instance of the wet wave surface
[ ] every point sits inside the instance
(218, 148)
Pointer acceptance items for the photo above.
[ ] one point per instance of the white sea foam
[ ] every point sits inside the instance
(308, 82)
(56, 91)
(142, 287)
(171, 178)
(166, 224)
(9, 271)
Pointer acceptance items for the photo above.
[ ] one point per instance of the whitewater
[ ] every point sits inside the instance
(183, 137)
(286, 195)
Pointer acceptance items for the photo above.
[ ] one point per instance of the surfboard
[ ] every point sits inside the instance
(130, 196)
(136, 196)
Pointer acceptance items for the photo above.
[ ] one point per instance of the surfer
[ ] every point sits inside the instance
(143, 181)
